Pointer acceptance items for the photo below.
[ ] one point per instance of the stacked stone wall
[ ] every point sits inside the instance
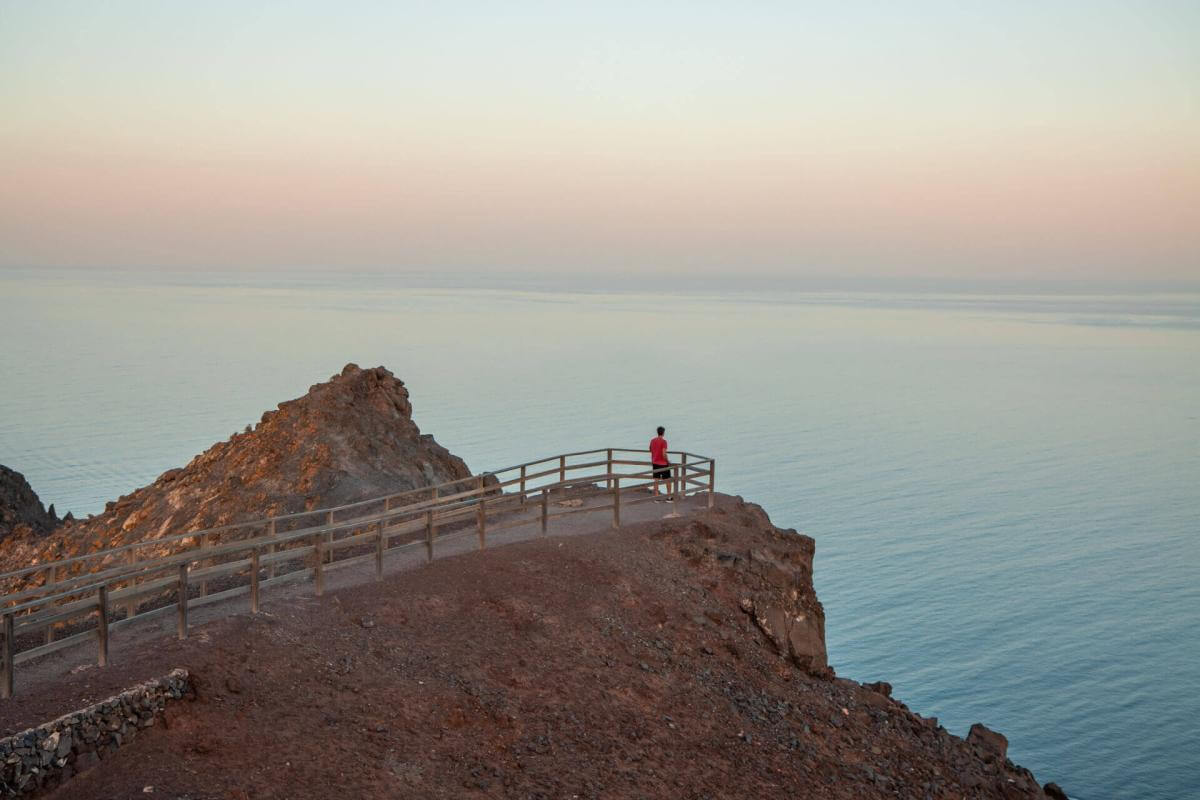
(43, 757)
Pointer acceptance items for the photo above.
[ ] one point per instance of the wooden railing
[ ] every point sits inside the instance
(90, 595)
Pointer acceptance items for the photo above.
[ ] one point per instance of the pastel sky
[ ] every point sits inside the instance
(1056, 140)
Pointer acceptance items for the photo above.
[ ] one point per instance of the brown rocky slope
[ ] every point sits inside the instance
(679, 658)
(347, 439)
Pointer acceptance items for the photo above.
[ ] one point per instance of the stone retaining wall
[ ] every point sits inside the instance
(45, 756)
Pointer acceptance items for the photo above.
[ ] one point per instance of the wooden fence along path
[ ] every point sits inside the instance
(88, 596)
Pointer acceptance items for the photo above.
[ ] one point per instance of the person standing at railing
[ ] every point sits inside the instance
(658, 458)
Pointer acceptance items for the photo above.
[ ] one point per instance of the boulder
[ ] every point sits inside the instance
(806, 644)
(882, 687)
(988, 741)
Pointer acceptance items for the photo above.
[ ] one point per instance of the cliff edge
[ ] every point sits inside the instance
(659, 660)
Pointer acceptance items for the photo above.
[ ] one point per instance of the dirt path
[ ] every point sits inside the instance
(66, 680)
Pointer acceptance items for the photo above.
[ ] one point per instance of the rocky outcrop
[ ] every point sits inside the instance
(990, 744)
(747, 563)
(348, 439)
(767, 573)
(21, 512)
(1054, 791)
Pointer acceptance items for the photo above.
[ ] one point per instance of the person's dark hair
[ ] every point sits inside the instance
(661, 430)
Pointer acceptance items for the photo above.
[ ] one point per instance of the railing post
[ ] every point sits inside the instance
(379, 546)
(429, 535)
(616, 502)
(683, 473)
(522, 484)
(545, 509)
(678, 493)
(562, 468)
(181, 624)
(131, 604)
(6, 669)
(49, 580)
(712, 480)
(608, 481)
(319, 552)
(254, 581)
(482, 524)
(203, 546)
(102, 629)
(329, 536)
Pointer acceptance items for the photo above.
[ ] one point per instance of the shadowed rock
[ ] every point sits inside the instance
(20, 507)
(1055, 792)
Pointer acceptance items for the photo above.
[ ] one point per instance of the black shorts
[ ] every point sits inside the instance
(662, 472)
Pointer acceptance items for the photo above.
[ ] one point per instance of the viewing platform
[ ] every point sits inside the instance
(198, 575)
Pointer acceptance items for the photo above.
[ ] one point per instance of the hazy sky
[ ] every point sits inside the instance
(968, 139)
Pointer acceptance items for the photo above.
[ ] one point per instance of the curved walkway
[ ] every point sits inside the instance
(126, 643)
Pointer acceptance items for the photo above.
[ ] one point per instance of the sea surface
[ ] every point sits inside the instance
(1004, 488)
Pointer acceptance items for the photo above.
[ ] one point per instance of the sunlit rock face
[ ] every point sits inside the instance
(347, 439)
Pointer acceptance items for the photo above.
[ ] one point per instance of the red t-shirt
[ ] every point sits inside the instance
(658, 450)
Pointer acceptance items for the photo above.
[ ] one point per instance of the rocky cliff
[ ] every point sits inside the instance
(350, 438)
(679, 658)
(21, 512)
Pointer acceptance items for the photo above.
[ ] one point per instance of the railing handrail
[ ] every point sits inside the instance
(264, 521)
(148, 567)
(78, 597)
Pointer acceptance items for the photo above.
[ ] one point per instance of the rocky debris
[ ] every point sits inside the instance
(21, 511)
(348, 439)
(41, 757)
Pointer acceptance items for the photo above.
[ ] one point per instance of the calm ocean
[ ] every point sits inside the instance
(1004, 489)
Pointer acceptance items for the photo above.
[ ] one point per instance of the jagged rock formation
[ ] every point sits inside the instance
(21, 512)
(347, 439)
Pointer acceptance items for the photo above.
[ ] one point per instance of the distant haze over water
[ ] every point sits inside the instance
(1004, 487)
